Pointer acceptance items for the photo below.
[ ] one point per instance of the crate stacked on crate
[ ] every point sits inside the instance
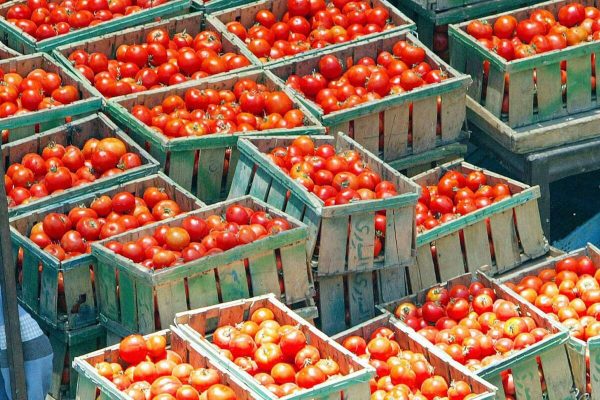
(134, 298)
(581, 344)
(26, 43)
(352, 381)
(77, 133)
(503, 234)
(22, 125)
(408, 129)
(342, 237)
(202, 164)
(246, 14)
(91, 383)
(531, 370)
(442, 364)
(108, 44)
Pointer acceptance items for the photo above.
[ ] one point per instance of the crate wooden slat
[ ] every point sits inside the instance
(522, 363)
(211, 177)
(353, 385)
(338, 265)
(76, 133)
(396, 138)
(41, 273)
(159, 295)
(514, 225)
(108, 44)
(444, 365)
(90, 382)
(7, 52)
(27, 44)
(576, 348)
(24, 125)
(245, 15)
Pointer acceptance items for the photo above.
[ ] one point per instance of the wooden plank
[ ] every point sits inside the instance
(527, 380)
(210, 174)
(361, 297)
(529, 226)
(332, 309)
(260, 185)
(496, 381)
(449, 256)
(555, 366)
(233, 283)
(203, 289)
(145, 301)
(341, 127)
(361, 242)
(576, 354)
(395, 131)
(473, 67)
(504, 238)
(453, 114)
(263, 272)
(392, 284)
(422, 274)
(332, 250)
(181, 168)
(424, 124)
(399, 236)
(30, 290)
(277, 195)
(495, 91)
(595, 368)
(477, 246)
(241, 177)
(312, 219)
(366, 132)
(79, 296)
(579, 89)
(520, 95)
(128, 295)
(549, 91)
(294, 207)
(49, 294)
(296, 273)
(86, 389)
(171, 299)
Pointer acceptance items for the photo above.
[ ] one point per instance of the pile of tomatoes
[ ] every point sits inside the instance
(310, 24)
(455, 195)
(69, 235)
(162, 60)
(198, 237)
(543, 31)
(58, 168)
(39, 90)
(403, 374)
(43, 19)
(149, 371)
(339, 85)
(250, 106)
(278, 356)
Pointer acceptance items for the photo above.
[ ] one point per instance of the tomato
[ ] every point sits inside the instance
(571, 14)
(355, 344)
(132, 349)
(505, 26)
(527, 29)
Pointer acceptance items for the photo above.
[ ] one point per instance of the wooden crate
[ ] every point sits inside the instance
(76, 133)
(539, 114)
(338, 264)
(210, 178)
(24, 125)
(42, 274)
(576, 348)
(245, 15)
(135, 299)
(443, 364)
(353, 385)
(109, 43)
(90, 383)
(522, 363)
(463, 245)
(7, 52)
(27, 44)
(384, 126)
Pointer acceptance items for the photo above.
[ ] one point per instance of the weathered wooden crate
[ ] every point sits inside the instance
(576, 348)
(135, 299)
(27, 44)
(66, 346)
(463, 245)
(7, 52)
(523, 363)
(90, 383)
(76, 133)
(245, 15)
(204, 165)
(384, 126)
(24, 125)
(43, 275)
(340, 263)
(352, 385)
(443, 364)
(109, 43)
(540, 113)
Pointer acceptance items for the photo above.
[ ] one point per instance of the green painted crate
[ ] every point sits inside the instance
(576, 348)
(442, 363)
(27, 44)
(66, 346)
(245, 15)
(384, 126)
(210, 177)
(25, 125)
(353, 385)
(339, 265)
(539, 114)
(109, 43)
(38, 287)
(90, 384)
(462, 245)
(522, 363)
(76, 133)
(212, 6)
(154, 297)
